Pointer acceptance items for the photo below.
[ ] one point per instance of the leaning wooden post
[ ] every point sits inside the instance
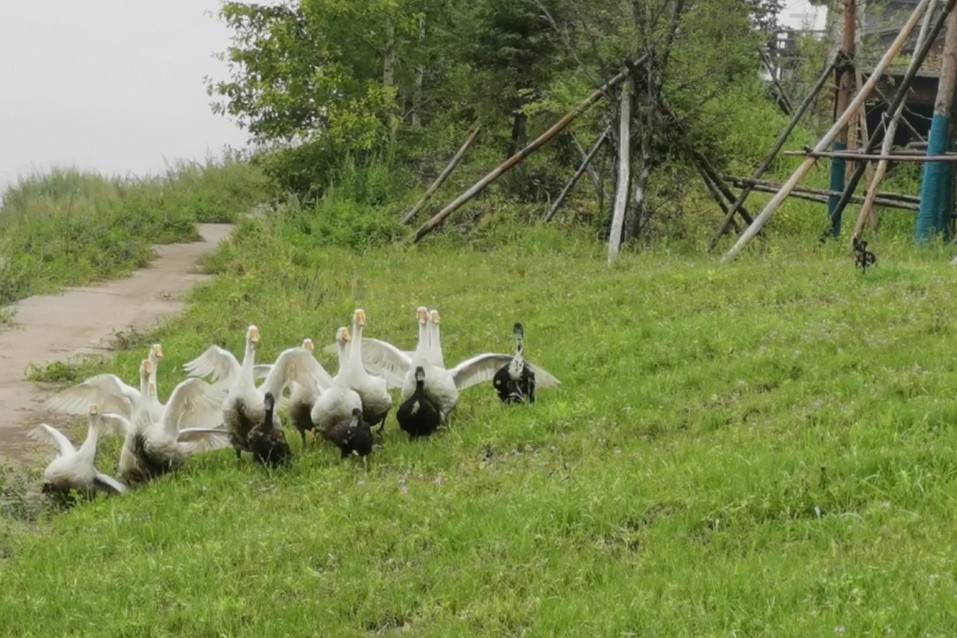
(778, 145)
(845, 89)
(900, 94)
(715, 192)
(511, 162)
(577, 176)
(937, 185)
(623, 187)
(444, 175)
(665, 110)
(784, 102)
(859, 99)
(592, 173)
(890, 132)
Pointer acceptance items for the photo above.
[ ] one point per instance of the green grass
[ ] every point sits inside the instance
(70, 227)
(766, 448)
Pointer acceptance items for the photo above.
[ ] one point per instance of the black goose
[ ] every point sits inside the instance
(353, 435)
(267, 442)
(515, 382)
(417, 415)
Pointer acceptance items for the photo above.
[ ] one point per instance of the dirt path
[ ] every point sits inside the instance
(82, 321)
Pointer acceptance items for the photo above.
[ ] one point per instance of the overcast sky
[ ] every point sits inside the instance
(111, 85)
(117, 85)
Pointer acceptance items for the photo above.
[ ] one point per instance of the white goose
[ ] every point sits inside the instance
(336, 403)
(303, 397)
(372, 389)
(74, 469)
(155, 446)
(109, 393)
(442, 385)
(244, 407)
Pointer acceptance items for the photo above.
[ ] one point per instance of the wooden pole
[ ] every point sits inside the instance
(784, 102)
(715, 192)
(623, 187)
(697, 156)
(937, 184)
(845, 88)
(444, 175)
(778, 145)
(859, 99)
(577, 176)
(536, 144)
(890, 132)
(592, 173)
(855, 156)
(900, 94)
(889, 200)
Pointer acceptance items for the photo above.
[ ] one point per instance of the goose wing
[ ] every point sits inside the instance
(106, 391)
(44, 433)
(295, 365)
(478, 369)
(387, 361)
(333, 348)
(543, 378)
(195, 403)
(204, 439)
(109, 483)
(216, 363)
(482, 368)
(115, 424)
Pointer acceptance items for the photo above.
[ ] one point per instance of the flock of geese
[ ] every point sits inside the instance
(228, 403)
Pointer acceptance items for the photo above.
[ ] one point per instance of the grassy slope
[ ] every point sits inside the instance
(766, 448)
(69, 227)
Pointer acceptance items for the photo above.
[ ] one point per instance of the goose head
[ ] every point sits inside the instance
(309, 345)
(519, 331)
(358, 319)
(156, 353)
(422, 315)
(252, 337)
(434, 316)
(419, 378)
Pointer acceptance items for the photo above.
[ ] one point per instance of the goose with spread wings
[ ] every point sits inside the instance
(109, 393)
(442, 385)
(75, 469)
(152, 447)
(244, 406)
